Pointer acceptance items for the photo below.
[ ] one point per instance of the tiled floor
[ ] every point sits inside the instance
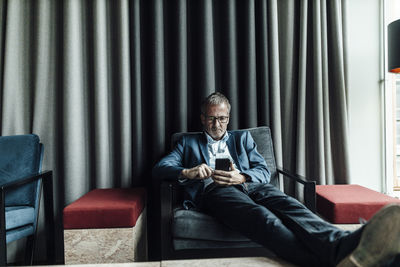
(227, 262)
(131, 264)
(224, 262)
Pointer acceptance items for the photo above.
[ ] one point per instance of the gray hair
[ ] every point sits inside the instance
(215, 99)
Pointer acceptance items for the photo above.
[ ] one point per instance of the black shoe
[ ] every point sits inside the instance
(380, 240)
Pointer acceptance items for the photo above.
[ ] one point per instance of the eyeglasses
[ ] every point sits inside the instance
(221, 119)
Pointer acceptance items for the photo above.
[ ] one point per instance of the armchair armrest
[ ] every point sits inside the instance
(47, 178)
(26, 180)
(309, 188)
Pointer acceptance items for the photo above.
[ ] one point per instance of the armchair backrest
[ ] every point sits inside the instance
(20, 156)
(263, 139)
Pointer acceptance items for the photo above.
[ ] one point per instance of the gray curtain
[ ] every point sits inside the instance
(105, 84)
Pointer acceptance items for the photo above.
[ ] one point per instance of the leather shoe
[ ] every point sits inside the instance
(380, 240)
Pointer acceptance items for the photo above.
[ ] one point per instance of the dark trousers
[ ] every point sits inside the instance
(280, 223)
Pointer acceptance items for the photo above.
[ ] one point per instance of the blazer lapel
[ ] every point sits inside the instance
(232, 150)
(203, 149)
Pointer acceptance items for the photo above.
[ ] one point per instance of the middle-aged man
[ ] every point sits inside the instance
(243, 199)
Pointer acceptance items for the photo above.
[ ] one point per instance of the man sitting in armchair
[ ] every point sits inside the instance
(242, 198)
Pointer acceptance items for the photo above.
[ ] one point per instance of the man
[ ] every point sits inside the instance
(243, 199)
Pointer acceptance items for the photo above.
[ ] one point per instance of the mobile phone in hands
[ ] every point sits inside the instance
(223, 164)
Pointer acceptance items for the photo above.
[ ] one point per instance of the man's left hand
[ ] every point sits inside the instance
(228, 177)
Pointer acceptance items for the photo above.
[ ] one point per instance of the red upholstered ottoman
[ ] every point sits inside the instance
(106, 226)
(345, 204)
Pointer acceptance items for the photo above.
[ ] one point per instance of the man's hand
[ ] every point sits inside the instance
(202, 171)
(228, 177)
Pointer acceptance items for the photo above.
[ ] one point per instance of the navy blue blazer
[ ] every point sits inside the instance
(191, 150)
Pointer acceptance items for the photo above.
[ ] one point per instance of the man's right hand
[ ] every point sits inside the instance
(202, 171)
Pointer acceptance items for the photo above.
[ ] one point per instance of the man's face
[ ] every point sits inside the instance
(215, 120)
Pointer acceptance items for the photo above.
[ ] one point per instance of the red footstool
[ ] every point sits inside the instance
(345, 204)
(106, 226)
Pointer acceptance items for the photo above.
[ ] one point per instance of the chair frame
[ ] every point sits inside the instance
(169, 201)
(47, 184)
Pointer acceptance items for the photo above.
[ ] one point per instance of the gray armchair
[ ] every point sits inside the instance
(193, 234)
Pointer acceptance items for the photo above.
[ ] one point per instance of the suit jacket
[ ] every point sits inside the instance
(191, 150)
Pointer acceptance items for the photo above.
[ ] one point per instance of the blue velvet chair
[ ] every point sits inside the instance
(21, 182)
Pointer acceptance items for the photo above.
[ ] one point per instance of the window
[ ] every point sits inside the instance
(395, 85)
(392, 110)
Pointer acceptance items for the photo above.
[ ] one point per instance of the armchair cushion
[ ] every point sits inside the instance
(19, 233)
(192, 224)
(18, 216)
(182, 243)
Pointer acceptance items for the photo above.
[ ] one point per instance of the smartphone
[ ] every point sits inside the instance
(223, 164)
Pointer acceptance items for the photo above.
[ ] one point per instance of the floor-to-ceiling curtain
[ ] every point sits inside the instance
(105, 84)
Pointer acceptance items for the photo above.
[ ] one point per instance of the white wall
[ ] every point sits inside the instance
(364, 92)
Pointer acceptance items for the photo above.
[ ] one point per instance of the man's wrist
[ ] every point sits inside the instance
(246, 178)
(183, 174)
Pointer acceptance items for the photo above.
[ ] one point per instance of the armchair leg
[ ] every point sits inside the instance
(3, 257)
(309, 196)
(29, 249)
(49, 217)
(3, 243)
(3, 251)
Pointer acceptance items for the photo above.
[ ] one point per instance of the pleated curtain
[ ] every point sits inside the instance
(105, 83)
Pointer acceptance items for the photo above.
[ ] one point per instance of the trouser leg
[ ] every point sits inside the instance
(237, 210)
(322, 238)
